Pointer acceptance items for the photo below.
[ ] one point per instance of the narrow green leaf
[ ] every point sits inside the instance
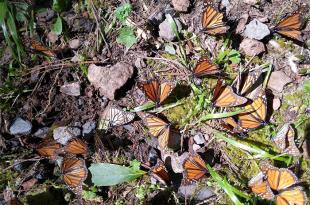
(104, 174)
(173, 26)
(57, 26)
(219, 115)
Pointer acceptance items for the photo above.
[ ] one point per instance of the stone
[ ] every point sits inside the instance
(52, 37)
(109, 79)
(88, 128)
(176, 161)
(278, 80)
(20, 127)
(241, 23)
(41, 133)
(251, 47)
(196, 147)
(256, 30)
(72, 89)
(204, 194)
(199, 138)
(181, 5)
(276, 103)
(63, 134)
(251, 2)
(165, 30)
(74, 44)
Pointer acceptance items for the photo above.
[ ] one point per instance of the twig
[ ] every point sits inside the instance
(22, 161)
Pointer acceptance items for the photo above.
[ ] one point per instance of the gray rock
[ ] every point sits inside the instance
(278, 80)
(72, 89)
(52, 37)
(63, 134)
(199, 138)
(74, 43)
(196, 147)
(41, 133)
(276, 103)
(165, 30)
(252, 47)
(227, 5)
(204, 193)
(109, 79)
(181, 5)
(251, 2)
(256, 30)
(20, 127)
(88, 127)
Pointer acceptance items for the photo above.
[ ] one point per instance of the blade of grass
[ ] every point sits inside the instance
(229, 190)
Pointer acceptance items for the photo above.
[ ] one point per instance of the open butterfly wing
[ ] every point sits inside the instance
(76, 146)
(48, 148)
(205, 67)
(248, 81)
(260, 187)
(38, 46)
(194, 168)
(156, 125)
(293, 195)
(74, 171)
(290, 26)
(212, 21)
(279, 179)
(152, 90)
(160, 172)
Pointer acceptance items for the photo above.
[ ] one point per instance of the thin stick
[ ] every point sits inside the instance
(22, 161)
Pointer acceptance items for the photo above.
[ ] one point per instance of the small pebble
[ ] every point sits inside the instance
(72, 89)
(278, 80)
(20, 127)
(199, 138)
(166, 32)
(74, 44)
(251, 47)
(181, 5)
(276, 103)
(63, 134)
(256, 30)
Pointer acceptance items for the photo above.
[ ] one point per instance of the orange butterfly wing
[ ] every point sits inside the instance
(165, 90)
(292, 196)
(36, 45)
(280, 179)
(160, 172)
(194, 168)
(74, 171)
(205, 67)
(49, 149)
(260, 187)
(76, 146)
(151, 90)
(225, 97)
(212, 21)
(290, 26)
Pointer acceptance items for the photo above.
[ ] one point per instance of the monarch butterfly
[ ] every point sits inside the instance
(114, 116)
(260, 187)
(224, 96)
(194, 168)
(230, 124)
(282, 182)
(290, 26)
(247, 81)
(76, 146)
(205, 67)
(37, 46)
(255, 115)
(160, 173)
(212, 21)
(156, 92)
(74, 171)
(285, 140)
(49, 148)
(158, 128)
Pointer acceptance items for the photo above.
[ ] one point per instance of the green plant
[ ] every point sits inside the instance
(228, 56)
(104, 174)
(307, 91)
(9, 29)
(126, 37)
(122, 12)
(142, 190)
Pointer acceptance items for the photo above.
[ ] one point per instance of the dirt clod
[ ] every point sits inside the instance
(72, 89)
(278, 80)
(252, 47)
(181, 5)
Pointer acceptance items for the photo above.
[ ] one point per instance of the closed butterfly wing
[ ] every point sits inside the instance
(76, 146)
(256, 114)
(280, 139)
(194, 168)
(279, 179)
(205, 67)
(247, 81)
(224, 96)
(114, 116)
(290, 26)
(212, 21)
(49, 149)
(292, 196)
(37, 46)
(284, 140)
(158, 128)
(160, 172)
(292, 149)
(74, 171)
(260, 187)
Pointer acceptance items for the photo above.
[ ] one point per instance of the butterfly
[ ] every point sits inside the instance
(194, 168)
(76, 146)
(284, 140)
(49, 148)
(260, 187)
(155, 91)
(224, 96)
(230, 124)
(282, 183)
(255, 115)
(290, 26)
(114, 116)
(212, 21)
(247, 81)
(205, 67)
(160, 173)
(158, 128)
(74, 171)
(38, 46)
